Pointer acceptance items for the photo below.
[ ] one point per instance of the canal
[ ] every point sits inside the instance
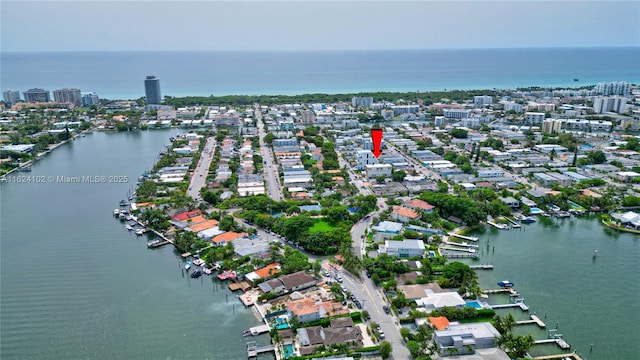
(592, 301)
(76, 285)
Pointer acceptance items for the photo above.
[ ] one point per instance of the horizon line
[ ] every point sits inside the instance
(321, 50)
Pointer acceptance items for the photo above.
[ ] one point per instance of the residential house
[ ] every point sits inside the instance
(419, 205)
(439, 300)
(287, 283)
(225, 238)
(308, 309)
(403, 249)
(403, 214)
(465, 338)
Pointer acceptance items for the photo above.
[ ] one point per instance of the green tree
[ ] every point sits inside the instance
(398, 176)
(385, 349)
(268, 138)
(414, 348)
(458, 133)
(227, 223)
(380, 179)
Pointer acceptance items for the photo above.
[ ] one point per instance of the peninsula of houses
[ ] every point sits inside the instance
(336, 248)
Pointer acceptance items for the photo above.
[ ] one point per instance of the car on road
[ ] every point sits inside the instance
(381, 334)
(386, 309)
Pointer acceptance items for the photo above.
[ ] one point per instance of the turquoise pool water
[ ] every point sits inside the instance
(281, 323)
(287, 351)
(535, 211)
(474, 304)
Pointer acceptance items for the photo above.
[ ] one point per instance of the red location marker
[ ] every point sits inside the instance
(376, 136)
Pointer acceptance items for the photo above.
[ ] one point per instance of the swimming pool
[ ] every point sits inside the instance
(474, 304)
(281, 323)
(535, 211)
(287, 351)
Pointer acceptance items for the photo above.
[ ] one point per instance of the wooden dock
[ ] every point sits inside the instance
(521, 305)
(450, 255)
(155, 244)
(482, 267)
(253, 350)
(243, 285)
(571, 356)
(534, 320)
(498, 226)
(559, 341)
(511, 291)
(470, 238)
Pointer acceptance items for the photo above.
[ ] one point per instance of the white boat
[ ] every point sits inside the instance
(187, 266)
(116, 212)
(128, 227)
(139, 231)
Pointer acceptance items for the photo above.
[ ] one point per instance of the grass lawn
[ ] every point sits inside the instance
(321, 226)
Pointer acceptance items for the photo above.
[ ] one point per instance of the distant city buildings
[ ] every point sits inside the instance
(89, 99)
(603, 104)
(68, 96)
(551, 126)
(152, 90)
(456, 113)
(534, 117)
(11, 96)
(613, 88)
(36, 95)
(357, 101)
(482, 100)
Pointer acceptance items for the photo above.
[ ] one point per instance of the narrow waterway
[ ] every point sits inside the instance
(76, 285)
(592, 301)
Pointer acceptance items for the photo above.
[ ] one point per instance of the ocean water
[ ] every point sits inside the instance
(121, 74)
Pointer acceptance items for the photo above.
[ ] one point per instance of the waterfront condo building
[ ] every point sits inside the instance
(152, 90)
(36, 95)
(68, 96)
(11, 96)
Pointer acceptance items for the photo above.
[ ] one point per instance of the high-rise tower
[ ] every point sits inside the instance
(152, 90)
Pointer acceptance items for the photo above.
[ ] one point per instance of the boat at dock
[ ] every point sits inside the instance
(128, 227)
(116, 212)
(187, 266)
(123, 203)
(505, 283)
(528, 220)
(140, 231)
(196, 274)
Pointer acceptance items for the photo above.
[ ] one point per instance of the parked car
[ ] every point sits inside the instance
(386, 309)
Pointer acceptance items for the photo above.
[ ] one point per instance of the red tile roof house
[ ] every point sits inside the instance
(403, 214)
(308, 309)
(419, 205)
(229, 236)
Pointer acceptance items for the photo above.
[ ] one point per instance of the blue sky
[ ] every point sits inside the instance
(314, 25)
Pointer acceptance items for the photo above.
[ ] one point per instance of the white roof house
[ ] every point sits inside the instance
(440, 300)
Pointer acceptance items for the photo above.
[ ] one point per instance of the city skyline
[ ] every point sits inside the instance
(316, 26)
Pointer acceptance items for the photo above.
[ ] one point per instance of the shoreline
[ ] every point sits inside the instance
(623, 229)
(41, 155)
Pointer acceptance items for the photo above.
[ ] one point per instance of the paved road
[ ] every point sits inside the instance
(270, 170)
(199, 178)
(373, 300)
